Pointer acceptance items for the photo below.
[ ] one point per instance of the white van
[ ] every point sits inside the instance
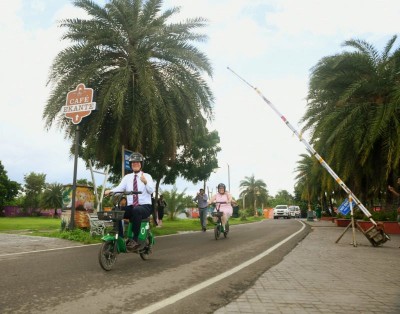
(295, 211)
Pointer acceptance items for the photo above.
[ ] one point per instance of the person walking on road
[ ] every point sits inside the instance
(201, 199)
(161, 204)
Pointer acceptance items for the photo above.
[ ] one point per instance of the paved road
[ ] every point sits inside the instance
(70, 280)
(316, 276)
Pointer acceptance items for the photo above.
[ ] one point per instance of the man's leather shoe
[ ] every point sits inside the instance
(132, 245)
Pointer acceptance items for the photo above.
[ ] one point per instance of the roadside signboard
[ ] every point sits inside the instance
(344, 208)
(79, 103)
(126, 166)
(127, 154)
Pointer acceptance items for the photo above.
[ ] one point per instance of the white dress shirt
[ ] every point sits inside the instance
(126, 185)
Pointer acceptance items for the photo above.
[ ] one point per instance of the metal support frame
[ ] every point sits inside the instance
(99, 200)
(352, 225)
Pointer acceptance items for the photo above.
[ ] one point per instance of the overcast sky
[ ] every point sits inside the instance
(271, 44)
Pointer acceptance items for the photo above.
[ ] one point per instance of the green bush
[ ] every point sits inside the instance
(243, 214)
(358, 214)
(79, 235)
(383, 215)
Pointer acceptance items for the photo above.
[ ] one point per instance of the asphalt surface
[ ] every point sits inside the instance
(317, 276)
(321, 276)
(187, 273)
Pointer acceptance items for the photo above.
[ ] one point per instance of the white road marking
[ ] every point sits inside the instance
(179, 296)
(47, 250)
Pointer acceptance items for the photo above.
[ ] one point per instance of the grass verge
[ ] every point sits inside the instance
(51, 227)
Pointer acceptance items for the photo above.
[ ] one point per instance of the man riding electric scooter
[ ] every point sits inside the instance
(139, 206)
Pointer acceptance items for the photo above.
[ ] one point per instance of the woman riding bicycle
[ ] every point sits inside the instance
(225, 198)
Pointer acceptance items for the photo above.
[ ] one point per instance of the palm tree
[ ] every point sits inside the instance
(314, 182)
(306, 180)
(176, 202)
(354, 114)
(52, 197)
(253, 191)
(147, 73)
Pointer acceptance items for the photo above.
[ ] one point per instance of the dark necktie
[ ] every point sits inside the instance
(135, 196)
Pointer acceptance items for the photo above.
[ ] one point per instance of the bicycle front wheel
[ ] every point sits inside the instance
(107, 255)
(226, 229)
(146, 251)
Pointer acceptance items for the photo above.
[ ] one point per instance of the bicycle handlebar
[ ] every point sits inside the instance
(217, 205)
(125, 193)
(118, 196)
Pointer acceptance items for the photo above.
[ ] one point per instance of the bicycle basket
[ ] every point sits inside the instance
(111, 215)
(217, 214)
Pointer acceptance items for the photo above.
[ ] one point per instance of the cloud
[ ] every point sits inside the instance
(272, 44)
(335, 17)
(25, 62)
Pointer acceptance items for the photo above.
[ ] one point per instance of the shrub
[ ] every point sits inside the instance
(243, 214)
(383, 215)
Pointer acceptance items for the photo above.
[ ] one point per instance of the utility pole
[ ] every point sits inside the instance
(229, 179)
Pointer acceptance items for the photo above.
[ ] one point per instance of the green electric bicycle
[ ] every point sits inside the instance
(113, 244)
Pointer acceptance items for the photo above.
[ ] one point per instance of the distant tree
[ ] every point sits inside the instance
(283, 197)
(17, 201)
(52, 197)
(8, 189)
(309, 178)
(107, 201)
(199, 159)
(254, 191)
(177, 202)
(194, 161)
(84, 182)
(33, 188)
(298, 200)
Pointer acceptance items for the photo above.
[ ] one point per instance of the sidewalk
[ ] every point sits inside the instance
(320, 276)
(17, 243)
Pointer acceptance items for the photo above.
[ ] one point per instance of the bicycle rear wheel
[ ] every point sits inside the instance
(217, 231)
(107, 255)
